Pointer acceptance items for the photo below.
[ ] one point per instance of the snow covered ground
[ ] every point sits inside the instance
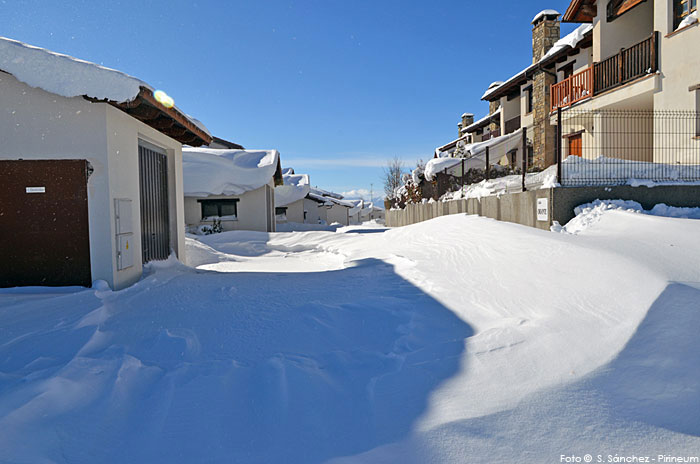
(459, 339)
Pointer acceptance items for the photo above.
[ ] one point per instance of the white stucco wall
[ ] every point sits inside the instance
(35, 124)
(315, 212)
(123, 134)
(295, 211)
(679, 61)
(338, 213)
(253, 210)
(630, 28)
(510, 109)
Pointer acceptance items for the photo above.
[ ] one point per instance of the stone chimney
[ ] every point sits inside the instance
(467, 120)
(545, 32)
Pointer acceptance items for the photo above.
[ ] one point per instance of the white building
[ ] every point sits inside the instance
(289, 197)
(331, 208)
(233, 188)
(90, 171)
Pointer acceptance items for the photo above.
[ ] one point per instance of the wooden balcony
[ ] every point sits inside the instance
(491, 135)
(631, 63)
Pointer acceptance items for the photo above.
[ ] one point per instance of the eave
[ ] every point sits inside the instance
(580, 11)
(169, 121)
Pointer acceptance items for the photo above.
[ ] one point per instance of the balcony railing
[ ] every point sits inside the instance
(572, 89)
(491, 135)
(631, 63)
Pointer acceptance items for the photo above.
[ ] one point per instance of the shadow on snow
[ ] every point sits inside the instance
(191, 366)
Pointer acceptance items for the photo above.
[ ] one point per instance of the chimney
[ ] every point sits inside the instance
(467, 120)
(545, 32)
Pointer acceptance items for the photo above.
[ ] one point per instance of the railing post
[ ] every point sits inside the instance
(620, 67)
(559, 147)
(654, 51)
(463, 173)
(488, 165)
(524, 161)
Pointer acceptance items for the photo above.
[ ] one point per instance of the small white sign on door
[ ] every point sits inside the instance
(543, 209)
(35, 189)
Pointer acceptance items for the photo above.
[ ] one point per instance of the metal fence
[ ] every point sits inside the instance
(605, 147)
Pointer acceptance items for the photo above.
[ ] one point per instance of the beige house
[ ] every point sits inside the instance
(289, 197)
(230, 189)
(90, 171)
(643, 59)
(523, 100)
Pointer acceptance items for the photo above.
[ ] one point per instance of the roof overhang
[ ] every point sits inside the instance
(617, 8)
(580, 11)
(278, 177)
(169, 121)
(525, 75)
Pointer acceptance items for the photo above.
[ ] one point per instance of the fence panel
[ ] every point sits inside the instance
(605, 147)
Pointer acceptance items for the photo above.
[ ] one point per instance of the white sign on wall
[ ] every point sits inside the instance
(35, 189)
(543, 209)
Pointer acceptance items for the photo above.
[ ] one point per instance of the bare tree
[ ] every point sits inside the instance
(393, 173)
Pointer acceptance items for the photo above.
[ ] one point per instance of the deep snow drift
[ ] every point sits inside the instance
(459, 339)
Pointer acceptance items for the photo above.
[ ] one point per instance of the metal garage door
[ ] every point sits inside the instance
(155, 220)
(44, 233)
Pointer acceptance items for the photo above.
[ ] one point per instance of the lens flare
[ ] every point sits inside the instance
(164, 99)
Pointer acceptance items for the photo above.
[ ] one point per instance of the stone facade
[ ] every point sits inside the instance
(467, 120)
(545, 32)
(493, 107)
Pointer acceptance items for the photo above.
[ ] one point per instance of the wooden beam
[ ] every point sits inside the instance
(161, 123)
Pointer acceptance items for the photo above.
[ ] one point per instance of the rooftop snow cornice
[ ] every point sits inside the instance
(70, 77)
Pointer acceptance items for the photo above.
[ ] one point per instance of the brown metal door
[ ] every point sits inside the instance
(44, 233)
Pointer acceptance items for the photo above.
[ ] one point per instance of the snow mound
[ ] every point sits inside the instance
(209, 171)
(589, 214)
(64, 75)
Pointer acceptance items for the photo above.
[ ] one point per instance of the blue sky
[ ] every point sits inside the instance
(337, 87)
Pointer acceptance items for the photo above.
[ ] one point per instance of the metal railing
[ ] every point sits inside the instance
(625, 147)
(629, 64)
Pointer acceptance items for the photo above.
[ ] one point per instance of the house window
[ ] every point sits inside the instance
(279, 210)
(681, 10)
(219, 208)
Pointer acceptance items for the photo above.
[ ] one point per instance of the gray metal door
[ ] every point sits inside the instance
(155, 220)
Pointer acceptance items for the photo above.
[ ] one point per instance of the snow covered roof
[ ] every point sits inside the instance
(499, 146)
(319, 199)
(326, 193)
(482, 121)
(209, 171)
(571, 40)
(449, 145)
(294, 188)
(70, 77)
(544, 13)
(328, 198)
